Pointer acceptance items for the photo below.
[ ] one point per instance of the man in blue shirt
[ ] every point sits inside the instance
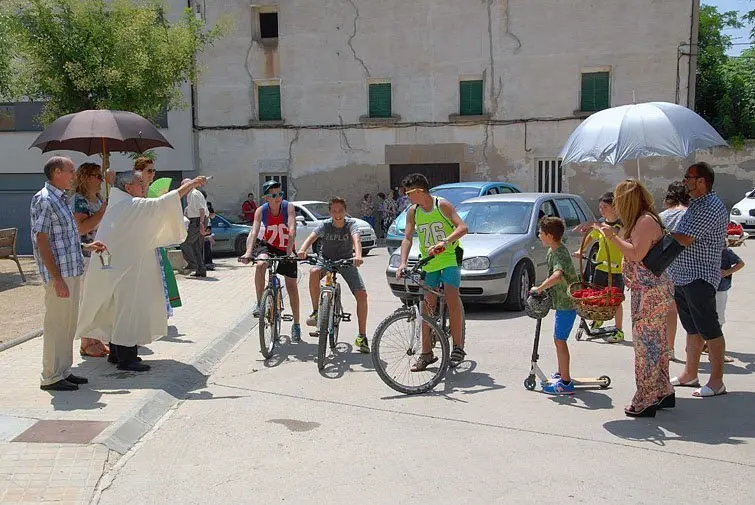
(697, 273)
(58, 251)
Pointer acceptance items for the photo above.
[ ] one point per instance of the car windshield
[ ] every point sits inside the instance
(456, 195)
(318, 209)
(496, 217)
(752, 194)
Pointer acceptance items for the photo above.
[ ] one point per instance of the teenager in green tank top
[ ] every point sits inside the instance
(439, 229)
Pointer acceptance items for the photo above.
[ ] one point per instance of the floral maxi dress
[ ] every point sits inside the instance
(652, 297)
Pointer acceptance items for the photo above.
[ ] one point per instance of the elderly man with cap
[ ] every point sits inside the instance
(123, 301)
(193, 247)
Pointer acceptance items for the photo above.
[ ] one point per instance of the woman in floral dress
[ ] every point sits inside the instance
(88, 208)
(652, 296)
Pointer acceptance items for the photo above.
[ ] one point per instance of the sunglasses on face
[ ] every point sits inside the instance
(275, 195)
(410, 191)
(150, 170)
(688, 177)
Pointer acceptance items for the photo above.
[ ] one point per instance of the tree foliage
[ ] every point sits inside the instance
(92, 54)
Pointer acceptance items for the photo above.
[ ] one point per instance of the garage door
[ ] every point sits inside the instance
(14, 213)
(436, 173)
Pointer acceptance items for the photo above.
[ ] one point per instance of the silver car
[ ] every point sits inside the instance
(503, 256)
(310, 213)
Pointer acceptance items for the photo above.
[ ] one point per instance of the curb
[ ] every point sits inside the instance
(138, 421)
(20, 340)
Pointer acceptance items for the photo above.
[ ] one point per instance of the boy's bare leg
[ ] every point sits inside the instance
(293, 296)
(430, 301)
(361, 297)
(562, 353)
(259, 279)
(453, 302)
(619, 317)
(314, 287)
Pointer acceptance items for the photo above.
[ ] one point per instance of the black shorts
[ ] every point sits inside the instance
(696, 304)
(600, 278)
(286, 268)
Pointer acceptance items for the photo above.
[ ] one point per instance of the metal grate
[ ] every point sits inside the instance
(549, 176)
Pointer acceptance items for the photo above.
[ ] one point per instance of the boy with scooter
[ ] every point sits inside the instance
(561, 273)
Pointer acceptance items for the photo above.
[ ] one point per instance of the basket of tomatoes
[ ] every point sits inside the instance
(595, 303)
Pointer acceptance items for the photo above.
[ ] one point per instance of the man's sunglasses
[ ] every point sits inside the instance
(410, 191)
(275, 195)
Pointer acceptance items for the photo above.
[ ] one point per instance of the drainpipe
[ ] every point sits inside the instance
(693, 40)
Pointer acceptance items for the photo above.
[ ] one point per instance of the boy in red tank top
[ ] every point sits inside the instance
(276, 220)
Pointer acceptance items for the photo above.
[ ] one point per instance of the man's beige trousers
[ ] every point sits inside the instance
(59, 330)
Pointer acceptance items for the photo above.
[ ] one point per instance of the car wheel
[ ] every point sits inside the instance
(240, 246)
(519, 288)
(365, 252)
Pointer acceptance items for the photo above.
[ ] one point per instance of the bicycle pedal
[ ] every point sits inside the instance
(346, 317)
(314, 334)
(287, 317)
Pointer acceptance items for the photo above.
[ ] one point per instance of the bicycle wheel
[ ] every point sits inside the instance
(337, 311)
(323, 325)
(269, 324)
(395, 349)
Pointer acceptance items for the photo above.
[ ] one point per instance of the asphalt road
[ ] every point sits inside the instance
(282, 432)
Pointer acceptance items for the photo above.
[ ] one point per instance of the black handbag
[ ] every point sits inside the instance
(662, 254)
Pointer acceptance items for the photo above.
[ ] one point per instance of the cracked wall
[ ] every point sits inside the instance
(529, 53)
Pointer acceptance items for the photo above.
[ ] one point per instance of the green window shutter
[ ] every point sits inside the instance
(380, 100)
(470, 98)
(269, 98)
(596, 91)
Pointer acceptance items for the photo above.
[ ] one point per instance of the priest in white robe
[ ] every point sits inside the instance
(125, 304)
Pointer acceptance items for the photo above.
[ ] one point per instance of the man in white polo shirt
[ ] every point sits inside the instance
(193, 247)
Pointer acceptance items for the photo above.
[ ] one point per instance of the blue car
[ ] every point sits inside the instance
(455, 193)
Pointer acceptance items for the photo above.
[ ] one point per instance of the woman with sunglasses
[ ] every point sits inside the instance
(88, 209)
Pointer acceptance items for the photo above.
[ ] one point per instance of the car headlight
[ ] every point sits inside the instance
(395, 261)
(476, 263)
(393, 229)
(736, 212)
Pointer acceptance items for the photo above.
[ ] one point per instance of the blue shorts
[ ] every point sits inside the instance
(564, 324)
(450, 276)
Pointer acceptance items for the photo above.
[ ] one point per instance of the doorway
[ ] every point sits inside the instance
(436, 173)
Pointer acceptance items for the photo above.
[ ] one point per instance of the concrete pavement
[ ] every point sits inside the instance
(279, 431)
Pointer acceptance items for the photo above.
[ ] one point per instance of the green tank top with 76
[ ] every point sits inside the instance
(433, 227)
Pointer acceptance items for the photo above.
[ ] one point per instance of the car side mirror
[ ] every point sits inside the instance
(300, 219)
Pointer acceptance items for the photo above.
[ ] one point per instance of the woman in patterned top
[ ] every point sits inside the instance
(88, 208)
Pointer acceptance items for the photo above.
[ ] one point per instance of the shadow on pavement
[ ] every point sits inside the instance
(461, 380)
(744, 364)
(711, 421)
(585, 398)
(171, 376)
(340, 362)
(284, 349)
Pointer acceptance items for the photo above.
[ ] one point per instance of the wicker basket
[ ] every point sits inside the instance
(587, 308)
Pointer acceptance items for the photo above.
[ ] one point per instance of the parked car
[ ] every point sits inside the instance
(455, 193)
(503, 256)
(743, 211)
(230, 237)
(309, 214)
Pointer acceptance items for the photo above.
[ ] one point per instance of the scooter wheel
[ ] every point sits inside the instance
(529, 383)
(605, 381)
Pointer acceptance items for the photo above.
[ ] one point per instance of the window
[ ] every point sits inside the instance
(596, 91)
(567, 212)
(508, 189)
(492, 191)
(269, 99)
(470, 98)
(582, 215)
(268, 25)
(380, 100)
(547, 209)
(549, 176)
(21, 116)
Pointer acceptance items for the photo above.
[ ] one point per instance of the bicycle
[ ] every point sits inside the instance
(390, 342)
(271, 313)
(329, 308)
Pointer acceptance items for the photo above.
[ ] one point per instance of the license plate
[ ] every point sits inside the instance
(750, 222)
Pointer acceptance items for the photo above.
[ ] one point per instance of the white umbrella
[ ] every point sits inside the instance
(639, 131)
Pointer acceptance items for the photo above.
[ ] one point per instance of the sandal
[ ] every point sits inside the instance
(457, 356)
(425, 359)
(707, 391)
(100, 350)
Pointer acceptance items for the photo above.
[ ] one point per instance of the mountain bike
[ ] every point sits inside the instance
(329, 308)
(397, 342)
(271, 306)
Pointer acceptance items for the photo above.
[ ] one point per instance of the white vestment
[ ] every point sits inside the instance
(125, 304)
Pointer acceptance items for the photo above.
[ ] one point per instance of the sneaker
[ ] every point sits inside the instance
(457, 356)
(615, 338)
(362, 344)
(596, 324)
(555, 376)
(312, 319)
(559, 388)
(296, 333)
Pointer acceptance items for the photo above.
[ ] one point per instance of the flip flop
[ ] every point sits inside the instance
(694, 383)
(705, 392)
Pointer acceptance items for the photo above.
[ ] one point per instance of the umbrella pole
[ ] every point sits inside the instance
(105, 167)
(639, 177)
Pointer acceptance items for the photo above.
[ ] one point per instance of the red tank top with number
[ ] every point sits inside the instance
(276, 228)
